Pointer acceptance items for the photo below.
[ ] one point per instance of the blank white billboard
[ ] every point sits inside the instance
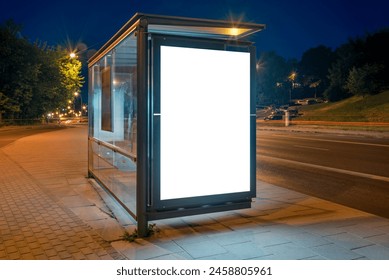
(205, 122)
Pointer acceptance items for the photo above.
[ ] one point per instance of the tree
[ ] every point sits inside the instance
(347, 56)
(34, 78)
(376, 53)
(272, 75)
(313, 68)
(48, 93)
(70, 69)
(362, 63)
(18, 72)
(363, 80)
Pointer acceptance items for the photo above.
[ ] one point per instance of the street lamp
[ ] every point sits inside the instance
(291, 78)
(72, 55)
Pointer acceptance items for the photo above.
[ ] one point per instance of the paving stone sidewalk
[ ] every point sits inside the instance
(37, 176)
(282, 225)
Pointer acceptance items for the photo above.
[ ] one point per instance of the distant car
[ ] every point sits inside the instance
(276, 115)
(279, 114)
(307, 102)
(284, 107)
(321, 100)
(273, 117)
(311, 101)
(293, 113)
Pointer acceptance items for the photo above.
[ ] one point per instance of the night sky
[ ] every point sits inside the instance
(292, 27)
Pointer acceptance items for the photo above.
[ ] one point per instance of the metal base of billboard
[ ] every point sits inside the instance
(144, 219)
(204, 209)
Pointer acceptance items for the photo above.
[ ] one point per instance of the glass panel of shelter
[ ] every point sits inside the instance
(115, 121)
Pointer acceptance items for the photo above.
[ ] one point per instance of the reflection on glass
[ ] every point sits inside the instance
(106, 99)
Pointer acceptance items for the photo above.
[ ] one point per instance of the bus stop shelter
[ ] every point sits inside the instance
(172, 117)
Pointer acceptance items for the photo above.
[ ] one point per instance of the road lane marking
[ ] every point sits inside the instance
(332, 169)
(335, 141)
(310, 147)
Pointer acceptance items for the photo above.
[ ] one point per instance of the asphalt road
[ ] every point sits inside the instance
(349, 170)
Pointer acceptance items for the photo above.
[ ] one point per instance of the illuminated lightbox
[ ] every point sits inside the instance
(204, 122)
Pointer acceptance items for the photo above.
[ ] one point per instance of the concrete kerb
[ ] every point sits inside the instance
(324, 129)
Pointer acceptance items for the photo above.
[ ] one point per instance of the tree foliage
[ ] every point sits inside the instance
(313, 66)
(272, 78)
(34, 78)
(361, 68)
(363, 80)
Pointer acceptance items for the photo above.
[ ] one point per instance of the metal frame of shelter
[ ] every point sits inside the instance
(150, 32)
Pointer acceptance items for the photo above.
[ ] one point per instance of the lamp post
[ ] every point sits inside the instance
(291, 78)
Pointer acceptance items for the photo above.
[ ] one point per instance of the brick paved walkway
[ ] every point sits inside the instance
(33, 223)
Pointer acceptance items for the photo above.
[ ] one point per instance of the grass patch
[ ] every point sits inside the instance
(372, 108)
(131, 237)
